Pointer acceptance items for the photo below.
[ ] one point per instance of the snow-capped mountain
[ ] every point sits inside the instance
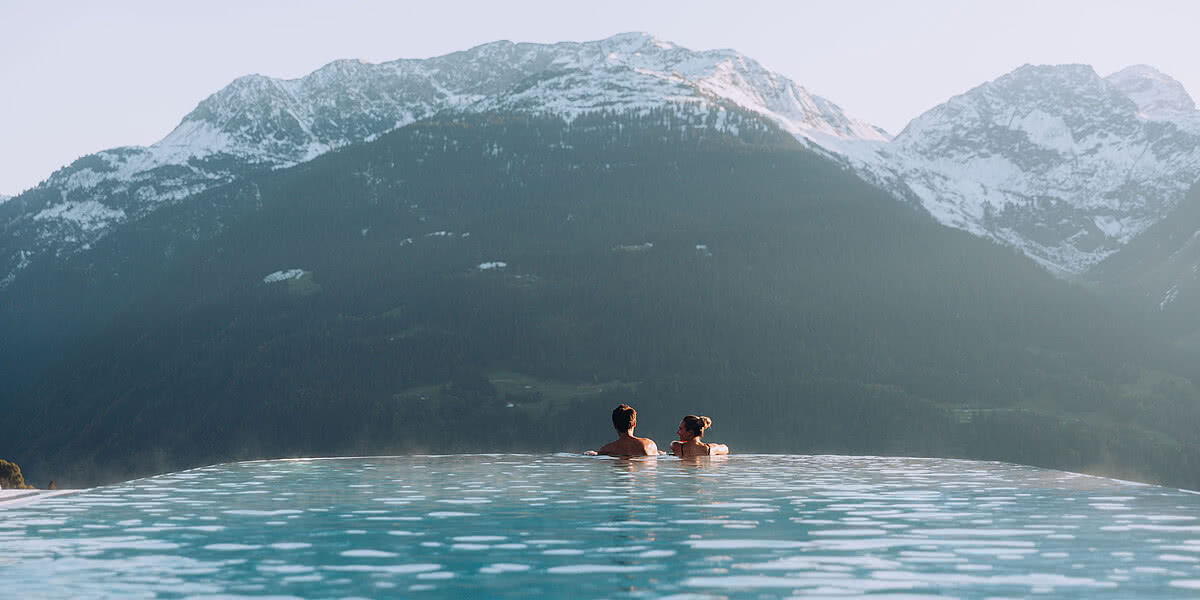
(350, 101)
(1055, 160)
(258, 122)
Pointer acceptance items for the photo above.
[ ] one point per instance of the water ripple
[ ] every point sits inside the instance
(571, 526)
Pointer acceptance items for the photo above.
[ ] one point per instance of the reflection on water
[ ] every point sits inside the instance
(572, 526)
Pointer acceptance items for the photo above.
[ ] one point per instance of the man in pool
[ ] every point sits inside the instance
(624, 419)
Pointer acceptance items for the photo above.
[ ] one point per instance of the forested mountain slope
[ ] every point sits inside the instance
(1156, 277)
(497, 282)
(257, 124)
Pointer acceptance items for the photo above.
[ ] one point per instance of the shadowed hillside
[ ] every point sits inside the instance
(498, 283)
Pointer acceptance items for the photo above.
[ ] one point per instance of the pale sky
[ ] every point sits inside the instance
(81, 76)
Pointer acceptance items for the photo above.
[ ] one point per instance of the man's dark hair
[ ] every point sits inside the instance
(624, 417)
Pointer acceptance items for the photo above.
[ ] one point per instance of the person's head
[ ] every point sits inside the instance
(693, 427)
(624, 418)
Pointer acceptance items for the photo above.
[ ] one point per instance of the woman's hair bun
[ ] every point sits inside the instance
(696, 425)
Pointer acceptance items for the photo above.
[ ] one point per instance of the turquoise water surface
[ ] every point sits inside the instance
(570, 526)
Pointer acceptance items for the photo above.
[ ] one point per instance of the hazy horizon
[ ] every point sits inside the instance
(90, 77)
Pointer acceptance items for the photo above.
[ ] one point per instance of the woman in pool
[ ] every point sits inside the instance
(691, 429)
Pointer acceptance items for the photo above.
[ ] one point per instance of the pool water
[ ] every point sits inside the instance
(755, 526)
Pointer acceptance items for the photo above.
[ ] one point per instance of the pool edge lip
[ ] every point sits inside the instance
(562, 454)
(18, 498)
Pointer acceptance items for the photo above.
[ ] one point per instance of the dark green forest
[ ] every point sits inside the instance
(647, 260)
(1154, 278)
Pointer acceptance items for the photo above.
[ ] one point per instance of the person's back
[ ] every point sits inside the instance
(695, 448)
(624, 419)
(629, 446)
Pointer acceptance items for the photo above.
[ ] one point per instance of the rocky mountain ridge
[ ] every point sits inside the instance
(1057, 161)
(258, 122)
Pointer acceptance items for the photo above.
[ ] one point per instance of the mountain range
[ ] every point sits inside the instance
(1063, 164)
(409, 209)
(258, 123)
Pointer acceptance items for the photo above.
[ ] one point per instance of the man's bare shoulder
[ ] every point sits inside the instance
(630, 447)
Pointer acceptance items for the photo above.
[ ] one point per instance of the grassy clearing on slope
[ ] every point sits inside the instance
(527, 390)
(519, 385)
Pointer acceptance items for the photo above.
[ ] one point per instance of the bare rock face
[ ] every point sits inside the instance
(10, 476)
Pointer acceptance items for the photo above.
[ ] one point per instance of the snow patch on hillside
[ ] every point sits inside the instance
(192, 138)
(278, 276)
(1046, 130)
(1168, 298)
(643, 247)
(22, 263)
(89, 215)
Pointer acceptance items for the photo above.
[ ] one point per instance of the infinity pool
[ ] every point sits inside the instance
(590, 527)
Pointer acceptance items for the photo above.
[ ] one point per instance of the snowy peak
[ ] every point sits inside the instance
(1043, 84)
(1155, 93)
(732, 77)
(349, 101)
(1047, 107)
(252, 109)
(633, 43)
(1052, 159)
